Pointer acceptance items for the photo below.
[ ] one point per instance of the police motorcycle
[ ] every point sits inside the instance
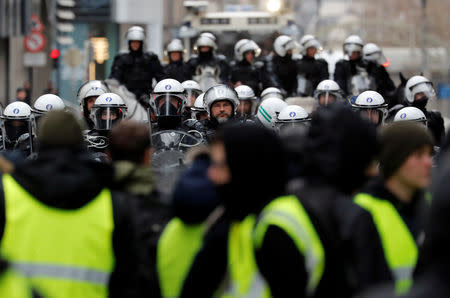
(108, 109)
(170, 138)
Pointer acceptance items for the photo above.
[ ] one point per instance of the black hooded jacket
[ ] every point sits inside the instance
(69, 179)
(339, 148)
(314, 70)
(258, 176)
(285, 69)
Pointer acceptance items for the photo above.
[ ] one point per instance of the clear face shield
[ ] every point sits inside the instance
(245, 107)
(377, 57)
(282, 125)
(106, 117)
(349, 48)
(12, 129)
(373, 115)
(169, 104)
(191, 96)
(422, 91)
(325, 98)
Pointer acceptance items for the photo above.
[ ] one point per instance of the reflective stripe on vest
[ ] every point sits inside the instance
(288, 214)
(65, 253)
(177, 247)
(245, 279)
(399, 247)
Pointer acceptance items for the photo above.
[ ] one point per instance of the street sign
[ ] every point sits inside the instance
(34, 59)
(36, 23)
(34, 42)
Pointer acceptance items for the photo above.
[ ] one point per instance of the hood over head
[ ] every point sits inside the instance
(339, 148)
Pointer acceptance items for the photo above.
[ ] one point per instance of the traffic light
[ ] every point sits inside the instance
(54, 55)
(65, 16)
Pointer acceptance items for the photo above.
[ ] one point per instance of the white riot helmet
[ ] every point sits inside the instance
(136, 33)
(48, 102)
(175, 46)
(327, 92)
(198, 109)
(308, 41)
(291, 116)
(192, 90)
(206, 39)
(268, 111)
(108, 109)
(220, 93)
(372, 52)
(169, 98)
(243, 46)
(271, 92)
(16, 121)
(371, 105)
(353, 43)
(283, 44)
(93, 89)
(416, 85)
(411, 114)
(245, 93)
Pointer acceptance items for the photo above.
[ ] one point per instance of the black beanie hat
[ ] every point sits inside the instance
(59, 129)
(398, 141)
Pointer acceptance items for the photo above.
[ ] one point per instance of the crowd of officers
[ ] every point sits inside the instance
(276, 201)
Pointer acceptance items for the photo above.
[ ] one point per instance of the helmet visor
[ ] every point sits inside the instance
(349, 48)
(15, 128)
(328, 97)
(373, 115)
(423, 89)
(169, 104)
(106, 117)
(191, 96)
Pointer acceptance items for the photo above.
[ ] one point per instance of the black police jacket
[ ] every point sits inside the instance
(285, 70)
(254, 75)
(314, 70)
(136, 70)
(178, 71)
(195, 62)
(346, 69)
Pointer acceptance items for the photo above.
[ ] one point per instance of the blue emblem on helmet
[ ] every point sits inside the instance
(369, 99)
(16, 111)
(168, 87)
(326, 87)
(403, 116)
(48, 107)
(292, 114)
(108, 99)
(94, 88)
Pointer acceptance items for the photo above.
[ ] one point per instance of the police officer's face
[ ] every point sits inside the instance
(175, 56)
(325, 99)
(135, 45)
(112, 115)
(219, 172)
(90, 102)
(371, 115)
(355, 55)
(419, 96)
(244, 107)
(311, 51)
(416, 170)
(221, 109)
(204, 49)
(249, 56)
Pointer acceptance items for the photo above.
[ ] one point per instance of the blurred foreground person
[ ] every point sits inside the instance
(396, 199)
(60, 224)
(13, 284)
(338, 151)
(130, 152)
(227, 246)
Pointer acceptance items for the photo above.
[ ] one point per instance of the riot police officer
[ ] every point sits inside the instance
(207, 68)
(311, 71)
(246, 71)
(87, 95)
(136, 69)
(176, 68)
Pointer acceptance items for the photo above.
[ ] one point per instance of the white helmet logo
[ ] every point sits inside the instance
(292, 114)
(168, 87)
(16, 111)
(48, 107)
(369, 99)
(403, 116)
(108, 99)
(327, 87)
